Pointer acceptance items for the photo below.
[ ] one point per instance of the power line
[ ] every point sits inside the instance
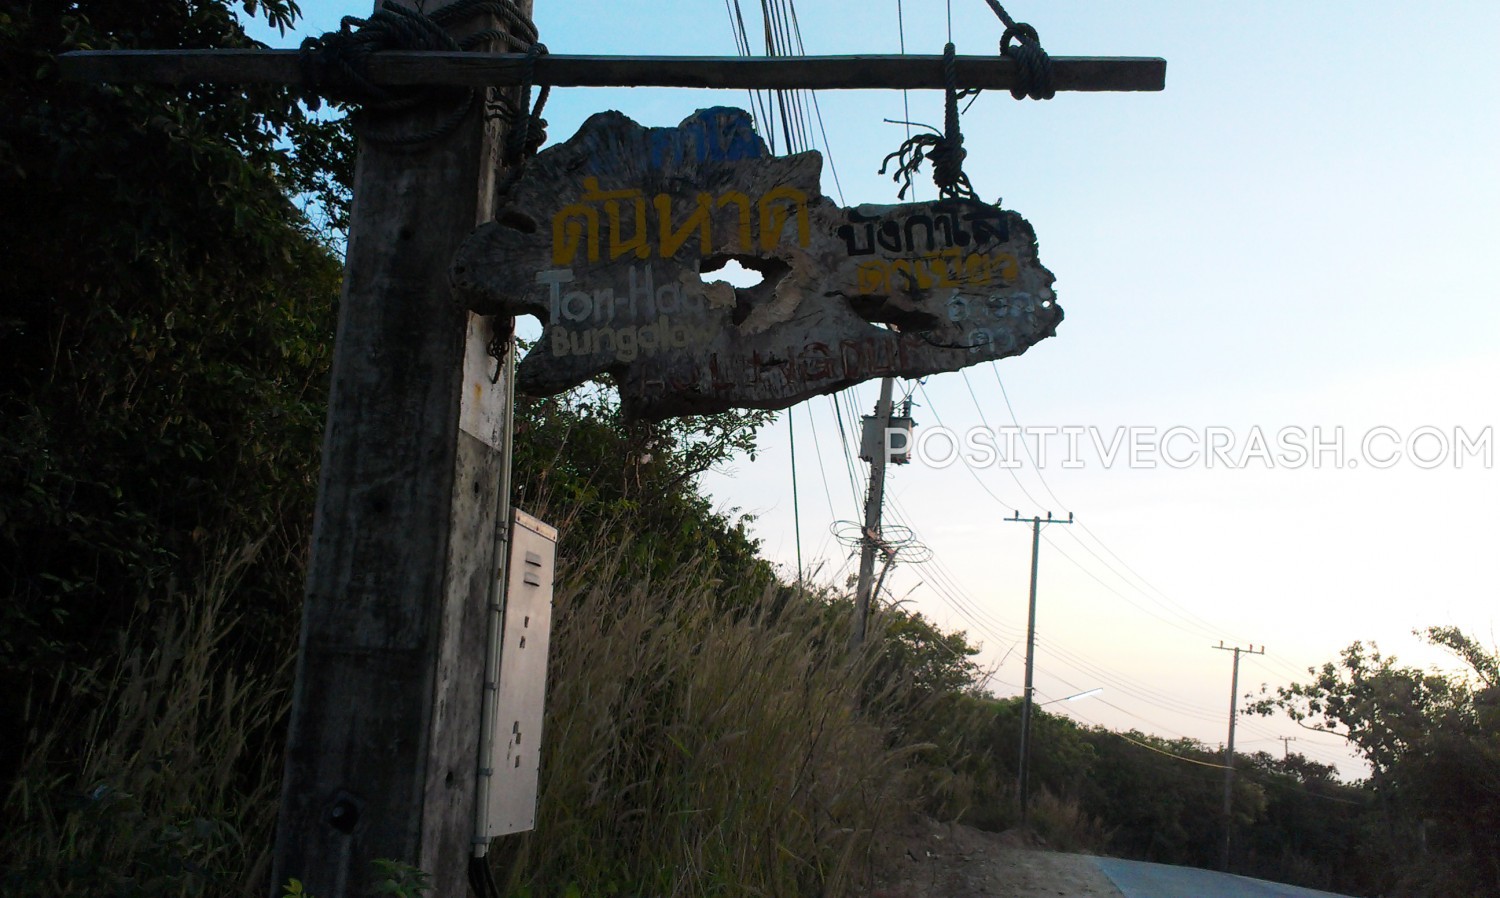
(1161, 598)
(848, 456)
(936, 416)
(963, 606)
(812, 425)
(1164, 752)
(950, 587)
(951, 594)
(947, 590)
(1135, 691)
(1008, 469)
(1121, 596)
(932, 407)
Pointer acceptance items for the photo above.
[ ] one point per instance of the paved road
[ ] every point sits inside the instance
(1137, 879)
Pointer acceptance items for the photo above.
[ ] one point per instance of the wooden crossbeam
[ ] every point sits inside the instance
(398, 68)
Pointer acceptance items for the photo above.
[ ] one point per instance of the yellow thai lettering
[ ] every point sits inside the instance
(746, 238)
(700, 219)
(777, 206)
(572, 225)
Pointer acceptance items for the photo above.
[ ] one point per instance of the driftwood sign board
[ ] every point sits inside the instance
(606, 239)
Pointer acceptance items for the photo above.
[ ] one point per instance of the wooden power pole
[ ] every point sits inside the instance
(1234, 688)
(1023, 775)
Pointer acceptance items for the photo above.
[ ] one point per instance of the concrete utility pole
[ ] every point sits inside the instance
(870, 538)
(1023, 782)
(1234, 688)
(382, 746)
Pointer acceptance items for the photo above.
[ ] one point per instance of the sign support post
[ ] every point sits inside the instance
(381, 752)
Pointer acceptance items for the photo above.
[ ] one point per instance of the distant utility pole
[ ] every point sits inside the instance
(1022, 780)
(870, 538)
(1286, 748)
(1234, 688)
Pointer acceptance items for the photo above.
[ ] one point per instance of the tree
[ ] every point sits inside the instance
(602, 478)
(168, 315)
(1432, 740)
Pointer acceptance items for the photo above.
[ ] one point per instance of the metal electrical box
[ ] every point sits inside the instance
(874, 437)
(516, 683)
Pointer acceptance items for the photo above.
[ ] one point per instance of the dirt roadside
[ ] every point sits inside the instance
(938, 860)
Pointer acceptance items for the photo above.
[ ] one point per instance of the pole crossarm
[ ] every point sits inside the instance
(400, 68)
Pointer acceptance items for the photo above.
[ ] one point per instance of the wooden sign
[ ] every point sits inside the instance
(606, 239)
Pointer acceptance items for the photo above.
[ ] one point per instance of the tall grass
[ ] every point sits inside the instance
(699, 742)
(697, 747)
(144, 773)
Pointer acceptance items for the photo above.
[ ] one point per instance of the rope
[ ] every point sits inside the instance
(528, 130)
(1035, 64)
(336, 66)
(948, 156)
(945, 148)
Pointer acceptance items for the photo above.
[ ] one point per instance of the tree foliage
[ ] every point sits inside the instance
(607, 481)
(1432, 740)
(166, 327)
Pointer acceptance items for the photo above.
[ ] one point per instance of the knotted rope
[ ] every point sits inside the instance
(1035, 64)
(336, 66)
(946, 148)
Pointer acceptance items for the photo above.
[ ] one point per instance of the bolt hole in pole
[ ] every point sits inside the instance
(344, 814)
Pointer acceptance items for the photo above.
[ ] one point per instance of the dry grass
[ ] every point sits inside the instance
(697, 744)
(137, 779)
(1065, 826)
(697, 750)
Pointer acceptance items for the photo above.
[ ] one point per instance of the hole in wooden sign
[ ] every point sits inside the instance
(753, 278)
(343, 815)
(517, 220)
(730, 270)
(879, 310)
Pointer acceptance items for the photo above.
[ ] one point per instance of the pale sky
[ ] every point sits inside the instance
(1300, 231)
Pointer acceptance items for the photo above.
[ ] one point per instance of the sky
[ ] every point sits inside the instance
(1296, 239)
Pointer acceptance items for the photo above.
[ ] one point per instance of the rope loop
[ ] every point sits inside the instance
(1034, 63)
(528, 130)
(336, 66)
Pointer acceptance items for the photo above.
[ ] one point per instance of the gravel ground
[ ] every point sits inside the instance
(935, 860)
